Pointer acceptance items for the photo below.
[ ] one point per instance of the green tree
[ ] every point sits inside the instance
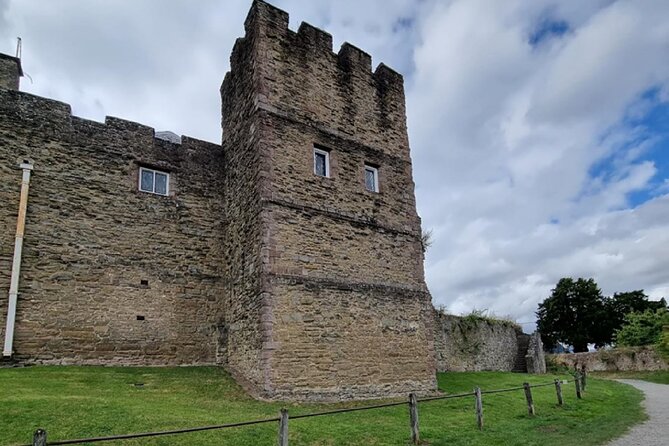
(573, 314)
(643, 328)
(619, 306)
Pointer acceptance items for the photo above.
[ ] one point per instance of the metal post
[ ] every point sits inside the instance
(16, 264)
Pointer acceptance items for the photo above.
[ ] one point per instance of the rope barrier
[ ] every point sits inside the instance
(159, 433)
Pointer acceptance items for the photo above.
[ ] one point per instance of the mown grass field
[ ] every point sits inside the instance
(75, 402)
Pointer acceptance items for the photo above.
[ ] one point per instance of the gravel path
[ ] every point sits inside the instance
(655, 431)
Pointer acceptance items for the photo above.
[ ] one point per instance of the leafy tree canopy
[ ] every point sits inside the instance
(642, 328)
(576, 313)
(571, 313)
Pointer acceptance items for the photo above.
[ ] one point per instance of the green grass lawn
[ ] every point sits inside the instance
(75, 402)
(659, 377)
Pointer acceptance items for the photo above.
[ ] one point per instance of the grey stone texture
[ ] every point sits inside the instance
(303, 287)
(10, 72)
(627, 359)
(465, 344)
(535, 358)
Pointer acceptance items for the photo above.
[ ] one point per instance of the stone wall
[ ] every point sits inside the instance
(110, 275)
(339, 305)
(10, 72)
(464, 344)
(628, 359)
(535, 359)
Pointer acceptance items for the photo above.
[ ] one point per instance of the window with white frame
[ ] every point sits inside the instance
(371, 178)
(321, 162)
(154, 181)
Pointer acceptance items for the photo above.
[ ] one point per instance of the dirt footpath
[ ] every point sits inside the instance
(655, 431)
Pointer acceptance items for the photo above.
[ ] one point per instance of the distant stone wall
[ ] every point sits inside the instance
(629, 359)
(535, 359)
(470, 344)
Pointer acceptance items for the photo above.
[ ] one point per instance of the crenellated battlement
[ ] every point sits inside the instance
(297, 73)
(314, 40)
(55, 117)
(353, 58)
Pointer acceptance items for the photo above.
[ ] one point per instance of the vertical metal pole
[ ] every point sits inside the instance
(283, 428)
(16, 264)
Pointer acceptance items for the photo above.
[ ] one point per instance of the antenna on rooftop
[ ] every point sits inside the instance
(18, 47)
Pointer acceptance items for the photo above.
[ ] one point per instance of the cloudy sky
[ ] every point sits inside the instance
(539, 128)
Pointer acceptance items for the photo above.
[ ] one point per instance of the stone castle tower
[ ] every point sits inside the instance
(290, 254)
(327, 292)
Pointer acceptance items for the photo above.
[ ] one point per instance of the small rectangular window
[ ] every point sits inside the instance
(371, 178)
(321, 162)
(154, 181)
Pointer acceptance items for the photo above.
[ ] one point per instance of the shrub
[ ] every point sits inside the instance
(642, 328)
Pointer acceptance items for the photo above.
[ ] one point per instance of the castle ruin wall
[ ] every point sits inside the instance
(110, 275)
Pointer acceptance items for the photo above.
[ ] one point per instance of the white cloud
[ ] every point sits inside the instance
(505, 136)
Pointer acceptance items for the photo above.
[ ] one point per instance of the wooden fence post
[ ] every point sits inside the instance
(583, 377)
(558, 391)
(528, 397)
(283, 428)
(413, 415)
(479, 407)
(577, 382)
(39, 437)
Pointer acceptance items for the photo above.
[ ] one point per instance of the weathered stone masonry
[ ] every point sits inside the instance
(302, 286)
(92, 238)
(327, 296)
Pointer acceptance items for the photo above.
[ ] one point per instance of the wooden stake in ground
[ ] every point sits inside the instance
(528, 397)
(577, 383)
(479, 407)
(39, 437)
(283, 428)
(558, 391)
(413, 415)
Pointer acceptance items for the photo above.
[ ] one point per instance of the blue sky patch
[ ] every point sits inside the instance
(548, 29)
(647, 122)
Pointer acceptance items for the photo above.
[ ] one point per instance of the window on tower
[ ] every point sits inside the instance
(321, 162)
(371, 178)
